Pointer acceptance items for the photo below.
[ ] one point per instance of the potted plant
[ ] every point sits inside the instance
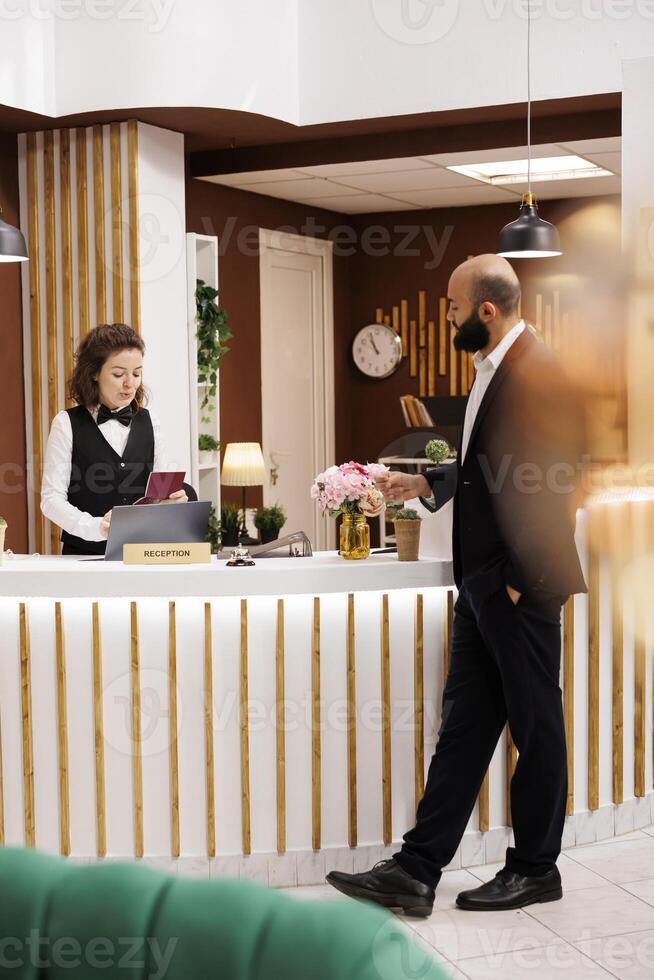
(3, 528)
(269, 521)
(407, 534)
(230, 525)
(212, 332)
(214, 532)
(208, 448)
(349, 489)
(438, 450)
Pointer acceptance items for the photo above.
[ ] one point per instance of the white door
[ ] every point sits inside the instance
(297, 377)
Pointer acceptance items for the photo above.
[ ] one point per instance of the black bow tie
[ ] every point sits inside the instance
(123, 415)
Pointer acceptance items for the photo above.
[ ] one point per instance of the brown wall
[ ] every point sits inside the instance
(236, 216)
(13, 499)
(396, 254)
(590, 238)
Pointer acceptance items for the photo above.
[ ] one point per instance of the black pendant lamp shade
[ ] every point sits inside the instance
(12, 243)
(529, 237)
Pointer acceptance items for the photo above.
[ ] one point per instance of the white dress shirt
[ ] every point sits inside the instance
(57, 468)
(485, 368)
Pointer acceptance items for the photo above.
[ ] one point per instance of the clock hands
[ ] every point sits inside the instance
(370, 338)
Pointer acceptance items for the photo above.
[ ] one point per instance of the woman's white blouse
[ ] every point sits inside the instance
(57, 468)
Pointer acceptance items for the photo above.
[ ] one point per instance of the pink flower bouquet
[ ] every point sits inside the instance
(350, 489)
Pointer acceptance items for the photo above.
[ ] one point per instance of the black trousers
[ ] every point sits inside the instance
(504, 665)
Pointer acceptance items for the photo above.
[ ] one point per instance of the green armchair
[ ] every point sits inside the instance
(60, 921)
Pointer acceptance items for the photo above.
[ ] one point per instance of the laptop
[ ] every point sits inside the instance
(156, 523)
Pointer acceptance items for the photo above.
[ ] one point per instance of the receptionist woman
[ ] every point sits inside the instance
(101, 452)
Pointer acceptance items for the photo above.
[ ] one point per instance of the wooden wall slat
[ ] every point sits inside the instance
(431, 358)
(35, 335)
(422, 315)
(404, 326)
(617, 699)
(396, 319)
(173, 754)
(413, 349)
(137, 762)
(98, 736)
(593, 680)
(511, 759)
(569, 696)
(453, 362)
(419, 699)
(245, 735)
(66, 255)
(133, 194)
(379, 315)
(29, 816)
(62, 733)
(639, 700)
(116, 222)
(52, 324)
(81, 183)
(386, 722)
(316, 782)
(442, 336)
(99, 231)
(422, 375)
(483, 803)
(208, 733)
(352, 822)
(280, 719)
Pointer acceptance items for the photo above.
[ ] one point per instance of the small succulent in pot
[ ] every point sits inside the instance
(437, 450)
(407, 523)
(207, 443)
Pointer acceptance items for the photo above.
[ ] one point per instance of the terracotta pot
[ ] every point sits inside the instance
(407, 536)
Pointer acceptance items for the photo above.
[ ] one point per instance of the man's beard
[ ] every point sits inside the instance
(472, 335)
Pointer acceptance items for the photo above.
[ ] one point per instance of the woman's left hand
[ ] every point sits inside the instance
(179, 497)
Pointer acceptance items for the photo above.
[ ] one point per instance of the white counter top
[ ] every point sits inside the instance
(64, 578)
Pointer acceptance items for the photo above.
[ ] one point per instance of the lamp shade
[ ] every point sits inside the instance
(243, 465)
(529, 237)
(12, 243)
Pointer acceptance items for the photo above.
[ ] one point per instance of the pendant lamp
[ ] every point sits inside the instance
(12, 243)
(529, 237)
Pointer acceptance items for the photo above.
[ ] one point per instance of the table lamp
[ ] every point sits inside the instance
(243, 466)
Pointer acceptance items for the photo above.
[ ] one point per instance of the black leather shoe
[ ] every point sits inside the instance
(508, 890)
(388, 885)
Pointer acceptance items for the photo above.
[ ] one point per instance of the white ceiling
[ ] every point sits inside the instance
(411, 183)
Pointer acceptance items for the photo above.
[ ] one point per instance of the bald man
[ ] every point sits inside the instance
(515, 563)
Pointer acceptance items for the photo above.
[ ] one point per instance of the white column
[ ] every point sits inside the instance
(162, 264)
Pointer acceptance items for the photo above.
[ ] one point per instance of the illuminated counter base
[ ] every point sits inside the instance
(271, 782)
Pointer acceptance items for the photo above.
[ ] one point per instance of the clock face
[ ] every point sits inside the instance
(377, 350)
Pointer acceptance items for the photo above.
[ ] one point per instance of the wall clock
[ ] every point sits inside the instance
(377, 350)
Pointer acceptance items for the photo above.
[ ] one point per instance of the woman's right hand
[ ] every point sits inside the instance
(106, 522)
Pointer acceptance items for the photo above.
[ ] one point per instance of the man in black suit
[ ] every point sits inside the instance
(515, 563)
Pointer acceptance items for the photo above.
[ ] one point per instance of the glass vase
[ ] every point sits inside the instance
(354, 537)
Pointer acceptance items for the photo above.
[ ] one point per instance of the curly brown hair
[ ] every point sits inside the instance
(97, 346)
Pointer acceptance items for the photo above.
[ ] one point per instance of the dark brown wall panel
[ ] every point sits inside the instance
(13, 498)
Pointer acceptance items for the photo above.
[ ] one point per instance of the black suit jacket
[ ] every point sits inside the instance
(518, 488)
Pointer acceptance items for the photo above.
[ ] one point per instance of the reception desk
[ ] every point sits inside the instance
(273, 721)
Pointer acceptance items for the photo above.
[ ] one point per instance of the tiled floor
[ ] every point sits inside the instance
(602, 927)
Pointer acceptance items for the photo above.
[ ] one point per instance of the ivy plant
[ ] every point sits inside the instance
(213, 330)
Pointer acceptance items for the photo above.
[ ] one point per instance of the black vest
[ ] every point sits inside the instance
(100, 479)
